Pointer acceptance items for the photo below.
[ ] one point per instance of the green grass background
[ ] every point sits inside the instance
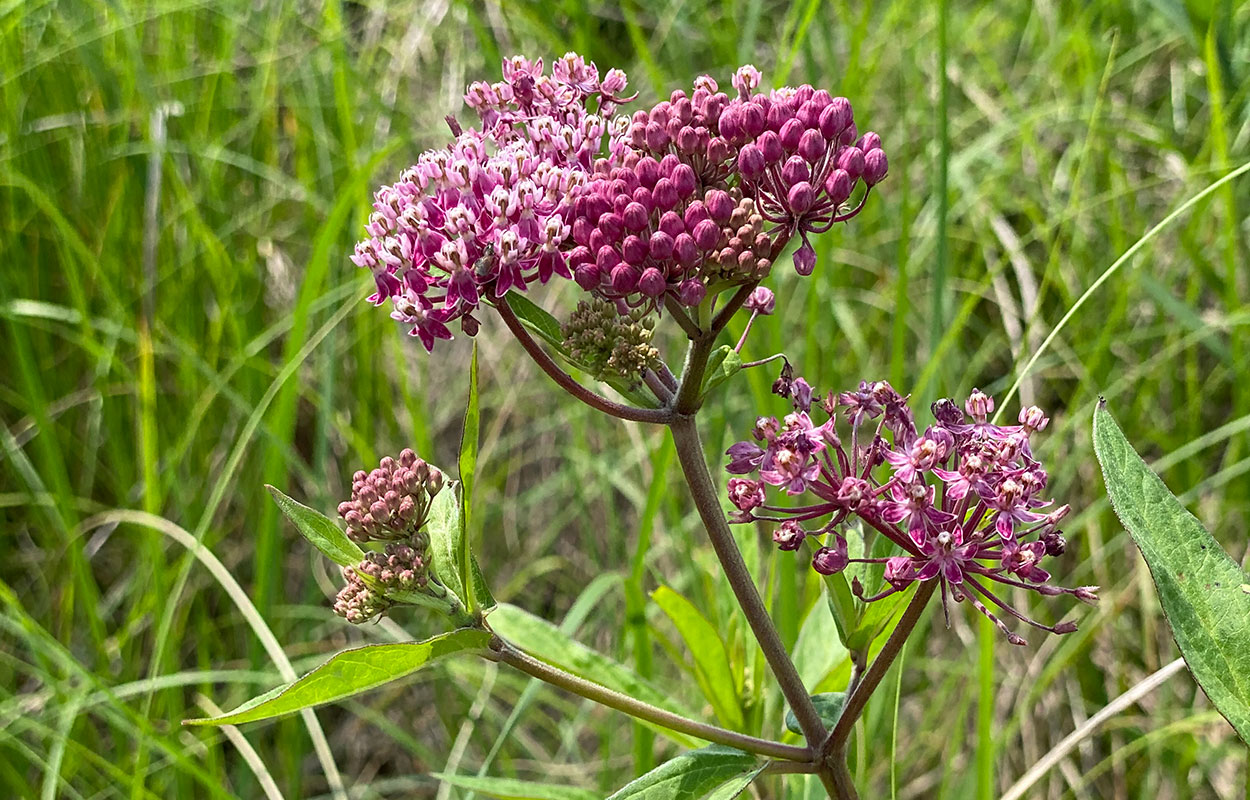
(181, 182)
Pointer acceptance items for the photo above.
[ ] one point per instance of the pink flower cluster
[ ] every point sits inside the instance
(963, 501)
(490, 213)
(695, 195)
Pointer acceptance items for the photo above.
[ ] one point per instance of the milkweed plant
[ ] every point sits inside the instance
(679, 214)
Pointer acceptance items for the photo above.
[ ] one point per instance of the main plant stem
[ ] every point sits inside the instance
(510, 654)
(690, 454)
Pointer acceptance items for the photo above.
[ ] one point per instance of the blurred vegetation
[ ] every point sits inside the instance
(180, 184)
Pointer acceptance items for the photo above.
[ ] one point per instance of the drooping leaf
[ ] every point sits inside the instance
(511, 789)
(320, 530)
(468, 468)
(545, 641)
(351, 672)
(722, 364)
(1204, 593)
(735, 786)
(711, 660)
(828, 706)
(446, 534)
(537, 321)
(690, 775)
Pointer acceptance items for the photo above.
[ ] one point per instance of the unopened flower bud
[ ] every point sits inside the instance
(761, 301)
(804, 258)
(830, 560)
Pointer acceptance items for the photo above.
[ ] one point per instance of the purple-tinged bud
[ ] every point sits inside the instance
(684, 180)
(790, 134)
(660, 246)
(606, 258)
(809, 114)
(665, 196)
(345, 507)
(751, 163)
(635, 217)
(770, 146)
(830, 560)
(691, 292)
(407, 457)
(1086, 594)
(800, 199)
(835, 117)
(638, 135)
(687, 140)
(761, 301)
(868, 142)
(407, 509)
(652, 282)
(852, 161)
(789, 536)
(848, 136)
(671, 224)
(777, 116)
(1033, 419)
(838, 186)
(696, 212)
(587, 276)
(795, 171)
(720, 206)
(812, 145)
(876, 165)
(634, 250)
(730, 124)
(648, 171)
(753, 120)
(718, 151)
(804, 259)
(686, 250)
(434, 481)
(612, 226)
(706, 234)
(624, 278)
(657, 137)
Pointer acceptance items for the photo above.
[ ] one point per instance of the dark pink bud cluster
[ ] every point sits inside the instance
(647, 229)
(962, 501)
(388, 504)
(799, 154)
(686, 126)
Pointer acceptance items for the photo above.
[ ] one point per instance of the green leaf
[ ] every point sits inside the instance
(446, 534)
(545, 641)
(711, 660)
(481, 590)
(818, 649)
(876, 616)
(537, 321)
(351, 672)
(1202, 590)
(722, 364)
(690, 775)
(468, 468)
(736, 786)
(828, 706)
(511, 789)
(320, 530)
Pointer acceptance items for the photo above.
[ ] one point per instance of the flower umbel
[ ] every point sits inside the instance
(962, 500)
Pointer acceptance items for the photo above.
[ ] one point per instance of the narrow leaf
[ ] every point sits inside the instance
(1202, 590)
(818, 650)
(547, 642)
(537, 321)
(351, 672)
(445, 532)
(320, 530)
(511, 789)
(690, 775)
(736, 786)
(828, 706)
(468, 469)
(722, 364)
(711, 660)
(481, 590)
